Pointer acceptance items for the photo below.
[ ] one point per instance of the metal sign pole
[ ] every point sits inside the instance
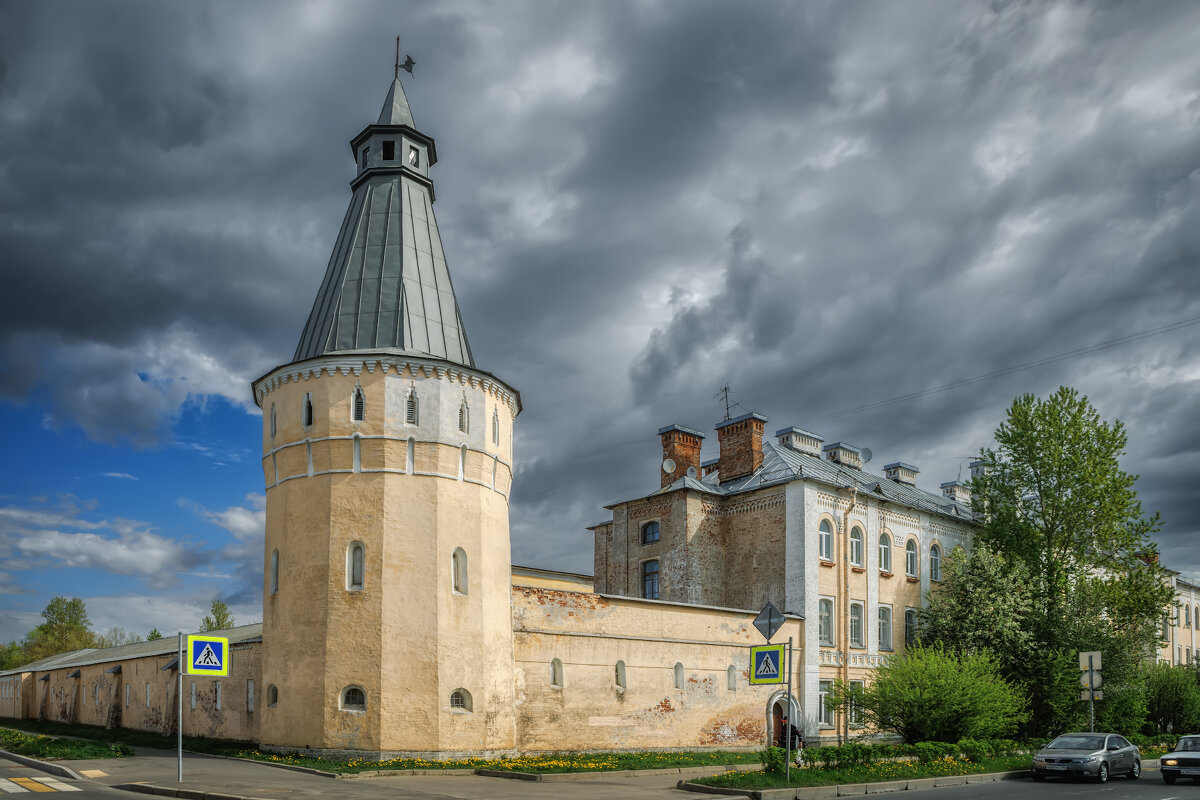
(791, 721)
(1091, 697)
(179, 733)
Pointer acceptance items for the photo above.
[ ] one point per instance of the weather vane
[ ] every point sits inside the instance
(408, 64)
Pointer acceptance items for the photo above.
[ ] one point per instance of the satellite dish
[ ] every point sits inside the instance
(668, 465)
(691, 473)
(867, 455)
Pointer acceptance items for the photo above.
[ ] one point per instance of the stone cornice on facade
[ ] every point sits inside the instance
(899, 519)
(723, 507)
(404, 364)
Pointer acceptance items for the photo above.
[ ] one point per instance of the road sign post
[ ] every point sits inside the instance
(204, 655)
(1090, 663)
(179, 700)
(770, 659)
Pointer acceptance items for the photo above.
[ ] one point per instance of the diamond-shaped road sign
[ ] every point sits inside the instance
(769, 620)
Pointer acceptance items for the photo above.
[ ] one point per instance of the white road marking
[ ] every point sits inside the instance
(55, 783)
(12, 788)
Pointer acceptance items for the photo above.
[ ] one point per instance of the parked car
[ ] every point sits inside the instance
(1096, 755)
(1183, 761)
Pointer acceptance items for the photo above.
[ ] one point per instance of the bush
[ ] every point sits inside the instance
(974, 749)
(773, 760)
(932, 751)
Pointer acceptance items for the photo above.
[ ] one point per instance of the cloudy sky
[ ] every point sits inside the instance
(838, 209)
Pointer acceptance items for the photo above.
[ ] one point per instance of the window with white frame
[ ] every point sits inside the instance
(911, 564)
(825, 717)
(910, 626)
(825, 540)
(856, 546)
(885, 553)
(856, 625)
(855, 710)
(556, 674)
(355, 567)
(825, 620)
(935, 562)
(885, 627)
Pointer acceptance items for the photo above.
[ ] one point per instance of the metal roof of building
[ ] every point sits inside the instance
(387, 286)
(168, 645)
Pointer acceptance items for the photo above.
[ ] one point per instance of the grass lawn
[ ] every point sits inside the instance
(194, 744)
(48, 747)
(871, 773)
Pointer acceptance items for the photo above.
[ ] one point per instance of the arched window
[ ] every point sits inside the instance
(355, 566)
(556, 674)
(731, 678)
(496, 427)
(458, 570)
(360, 404)
(650, 579)
(619, 675)
(650, 532)
(460, 699)
(273, 420)
(1187, 616)
(353, 698)
(464, 417)
(678, 675)
(825, 541)
(356, 464)
(409, 454)
(411, 415)
(856, 546)
(272, 696)
(910, 559)
(462, 462)
(885, 553)
(935, 562)
(308, 410)
(274, 572)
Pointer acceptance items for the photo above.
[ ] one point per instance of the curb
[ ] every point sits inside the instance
(187, 794)
(854, 789)
(44, 766)
(559, 777)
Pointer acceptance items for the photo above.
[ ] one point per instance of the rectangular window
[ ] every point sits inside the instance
(885, 627)
(856, 547)
(856, 625)
(856, 717)
(193, 695)
(249, 695)
(910, 626)
(825, 620)
(366, 157)
(414, 157)
(826, 714)
(389, 150)
(218, 690)
(825, 542)
(650, 579)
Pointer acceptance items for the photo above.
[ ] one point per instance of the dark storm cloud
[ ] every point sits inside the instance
(824, 205)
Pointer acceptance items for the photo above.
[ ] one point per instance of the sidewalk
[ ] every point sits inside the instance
(220, 778)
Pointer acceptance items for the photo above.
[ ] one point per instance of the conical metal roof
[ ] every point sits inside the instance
(387, 286)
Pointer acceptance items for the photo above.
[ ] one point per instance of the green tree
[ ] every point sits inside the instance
(153, 635)
(1054, 499)
(66, 627)
(219, 619)
(932, 694)
(1172, 698)
(11, 655)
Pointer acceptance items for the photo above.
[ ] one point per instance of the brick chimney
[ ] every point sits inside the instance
(741, 446)
(680, 448)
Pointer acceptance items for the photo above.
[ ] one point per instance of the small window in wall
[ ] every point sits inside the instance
(464, 417)
(127, 695)
(650, 579)
(496, 428)
(856, 715)
(910, 559)
(731, 678)
(414, 157)
(360, 405)
(885, 627)
(825, 620)
(678, 675)
(935, 563)
(273, 426)
(462, 462)
(556, 674)
(365, 157)
(355, 566)
(308, 410)
(650, 532)
(458, 570)
(619, 675)
(410, 455)
(825, 540)
(193, 703)
(353, 698)
(389, 150)
(910, 626)
(217, 690)
(825, 714)
(147, 694)
(275, 571)
(272, 695)
(885, 554)
(460, 700)
(856, 547)
(411, 408)
(856, 625)
(249, 695)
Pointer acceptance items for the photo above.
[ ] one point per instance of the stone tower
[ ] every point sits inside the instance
(387, 622)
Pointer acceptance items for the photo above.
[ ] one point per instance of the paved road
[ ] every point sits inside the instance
(16, 779)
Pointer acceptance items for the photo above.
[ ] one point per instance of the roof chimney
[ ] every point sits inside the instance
(957, 491)
(900, 472)
(680, 452)
(845, 454)
(741, 445)
(800, 440)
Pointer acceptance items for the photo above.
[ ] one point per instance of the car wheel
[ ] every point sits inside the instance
(1102, 773)
(1136, 772)
(1168, 778)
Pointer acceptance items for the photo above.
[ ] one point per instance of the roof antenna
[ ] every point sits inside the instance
(729, 406)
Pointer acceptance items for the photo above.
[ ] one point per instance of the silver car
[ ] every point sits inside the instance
(1183, 761)
(1096, 755)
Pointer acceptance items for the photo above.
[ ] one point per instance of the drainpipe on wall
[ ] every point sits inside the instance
(844, 729)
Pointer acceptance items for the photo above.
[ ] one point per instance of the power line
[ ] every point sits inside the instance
(1079, 351)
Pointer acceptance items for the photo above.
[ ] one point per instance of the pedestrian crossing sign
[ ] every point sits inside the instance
(207, 655)
(766, 664)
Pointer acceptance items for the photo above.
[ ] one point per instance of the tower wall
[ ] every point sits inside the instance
(411, 492)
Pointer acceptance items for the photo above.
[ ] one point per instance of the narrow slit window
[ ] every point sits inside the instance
(556, 674)
(678, 675)
(273, 426)
(308, 410)
(458, 570)
(619, 675)
(411, 407)
(250, 696)
(731, 678)
(272, 695)
(464, 417)
(360, 405)
(355, 567)
(275, 572)
(496, 428)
